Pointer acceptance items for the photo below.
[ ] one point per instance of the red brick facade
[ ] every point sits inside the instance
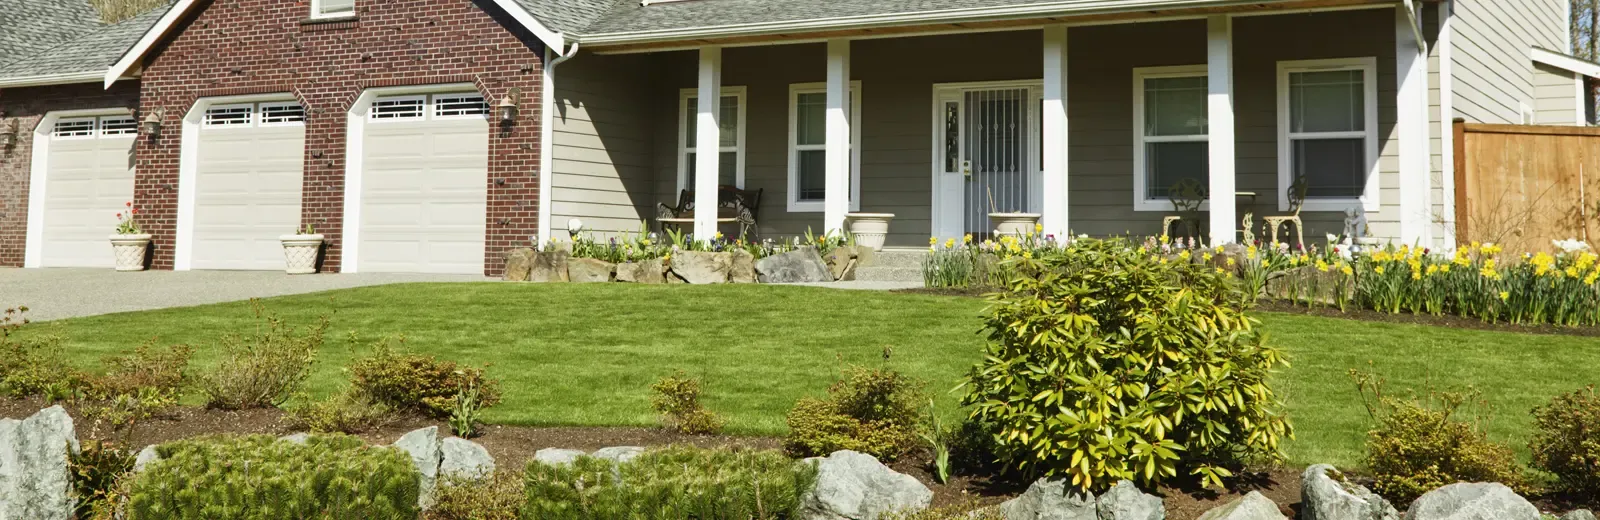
(236, 47)
(26, 107)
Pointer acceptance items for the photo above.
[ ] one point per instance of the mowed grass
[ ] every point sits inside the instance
(587, 354)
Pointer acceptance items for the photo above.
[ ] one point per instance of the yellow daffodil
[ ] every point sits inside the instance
(1444, 268)
(1027, 254)
(950, 243)
(967, 239)
(1184, 255)
(1505, 295)
(1378, 269)
(1322, 265)
(1347, 270)
(1231, 261)
(1038, 228)
(933, 240)
(1206, 257)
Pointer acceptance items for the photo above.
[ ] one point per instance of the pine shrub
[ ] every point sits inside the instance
(498, 497)
(1421, 444)
(418, 383)
(671, 484)
(1566, 441)
(344, 412)
(262, 478)
(872, 411)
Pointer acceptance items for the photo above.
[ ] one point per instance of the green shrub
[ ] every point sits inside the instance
(1421, 444)
(99, 471)
(35, 365)
(677, 399)
(146, 368)
(498, 497)
(670, 484)
(1566, 442)
(263, 369)
(344, 412)
(872, 411)
(262, 478)
(1107, 363)
(417, 383)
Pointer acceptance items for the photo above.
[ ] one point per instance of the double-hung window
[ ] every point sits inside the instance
(1328, 133)
(333, 8)
(808, 143)
(1169, 133)
(730, 123)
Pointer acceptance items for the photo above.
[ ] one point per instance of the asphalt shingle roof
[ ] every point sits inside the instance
(92, 50)
(569, 16)
(28, 27)
(629, 16)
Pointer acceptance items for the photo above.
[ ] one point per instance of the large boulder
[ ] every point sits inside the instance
(702, 267)
(423, 447)
(1051, 499)
(619, 454)
(557, 456)
(842, 262)
(798, 266)
(1253, 506)
(461, 458)
(643, 271)
(1124, 501)
(589, 270)
(1326, 495)
(549, 266)
(519, 262)
(35, 481)
(1464, 501)
(1310, 284)
(1581, 514)
(855, 486)
(743, 268)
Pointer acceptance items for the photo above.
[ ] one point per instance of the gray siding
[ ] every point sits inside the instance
(1556, 96)
(601, 170)
(1494, 77)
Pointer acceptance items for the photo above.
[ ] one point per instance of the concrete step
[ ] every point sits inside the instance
(898, 258)
(873, 273)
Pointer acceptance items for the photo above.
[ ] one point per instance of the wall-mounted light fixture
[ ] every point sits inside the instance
(507, 108)
(8, 135)
(152, 122)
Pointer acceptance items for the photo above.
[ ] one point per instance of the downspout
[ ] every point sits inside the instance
(547, 120)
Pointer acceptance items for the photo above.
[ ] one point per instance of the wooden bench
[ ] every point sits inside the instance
(734, 206)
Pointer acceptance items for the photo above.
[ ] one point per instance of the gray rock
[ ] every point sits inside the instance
(619, 454)
(1326, 495)
(1309, 284)
(700, 267)
(557, 456)
(423, 447)
(35, 482)
(1466, 501)
(549, 266)
(1253, 506)
(644, 271)
(589, 270)
(519, 262)
(146, 457)
(1581, 514)
(1051, 499)
(1125, 502)
(297, 438)
(855, 486)
(798, 266)
(841, 263)
(743, 268)
(462, 458)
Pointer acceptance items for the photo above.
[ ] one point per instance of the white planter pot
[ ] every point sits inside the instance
(129, 251)
(870, 229)
(1014, 224)
(300, 253)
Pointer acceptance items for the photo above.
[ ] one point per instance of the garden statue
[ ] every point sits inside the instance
(1355, 223)
(1249, 236)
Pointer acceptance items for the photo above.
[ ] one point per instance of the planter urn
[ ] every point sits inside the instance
(129, 251)
(300, 253)
(1014, 224)
(870, 229)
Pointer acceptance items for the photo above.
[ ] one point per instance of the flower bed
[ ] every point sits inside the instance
(679, 258)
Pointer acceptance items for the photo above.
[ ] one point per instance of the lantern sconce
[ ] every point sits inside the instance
(8, 135)
(507, 108)
(152, 122)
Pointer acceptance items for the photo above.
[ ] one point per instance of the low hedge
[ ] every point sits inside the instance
(262, 478)
(670, 484)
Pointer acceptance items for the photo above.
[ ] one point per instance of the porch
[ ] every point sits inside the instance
(942, 129)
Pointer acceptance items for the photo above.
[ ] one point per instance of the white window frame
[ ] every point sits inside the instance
(434, 109)
(261, 114)
(1140, 161)
(132, 130)
(425, 109)
(249, 121)
(317, 14)
(816, 206)
(684, 113)
(1369, 199)
(92, 132)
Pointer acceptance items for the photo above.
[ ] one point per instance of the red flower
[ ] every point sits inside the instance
(119, 215)
(134, 211)
(128, 204)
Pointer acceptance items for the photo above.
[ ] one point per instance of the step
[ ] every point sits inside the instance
(898, 258)
(873, 273)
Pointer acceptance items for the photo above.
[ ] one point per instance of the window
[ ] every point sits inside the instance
(397, 107)
(118, 125)
(808, 131)
(453, 105)
(458, 105)
(1328, 139)
(730, 168)
(332, 8)
(282, 114)
(1170, 133)
(229, 115)
(78, 128)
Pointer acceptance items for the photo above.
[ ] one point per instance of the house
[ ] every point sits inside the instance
(434, 135)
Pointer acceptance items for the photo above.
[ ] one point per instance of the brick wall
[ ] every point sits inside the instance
(26, 107)
(235, 47)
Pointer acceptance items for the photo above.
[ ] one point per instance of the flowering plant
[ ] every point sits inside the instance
(126, 223)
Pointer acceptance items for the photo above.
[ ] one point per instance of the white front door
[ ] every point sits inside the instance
(987, 156)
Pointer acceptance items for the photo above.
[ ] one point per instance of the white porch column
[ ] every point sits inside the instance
(836, 177)
(707, 143)
(1053, 213)
(1411, 125)
(1219, 115)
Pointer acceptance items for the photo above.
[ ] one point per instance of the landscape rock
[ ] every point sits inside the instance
(35, 481)
(519, 262)
(1253, 506)
(841, 263)
(549, 266)
(619, 454)
(146, 457)
(589, 270)
(644, 271)
(855, 486)
(423, 447)
(1466, 501)
(557, 456)
(743, 268)
(1124, 501)
(1051, 499)
(1326, 495)
(297, 438)
(798, 266)
(464, 459)
(1310, 284)
(702, 267)
(1581, 514)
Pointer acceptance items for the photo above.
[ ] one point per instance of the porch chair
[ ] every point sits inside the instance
(734, 205)
(1186, 195)
(1297, 200)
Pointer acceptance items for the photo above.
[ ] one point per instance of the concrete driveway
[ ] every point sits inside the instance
(53, 294)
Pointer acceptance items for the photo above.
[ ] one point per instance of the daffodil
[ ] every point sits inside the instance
(933, 240)
(1505, 295)
(950, 243)
(1347, 270)
(967, 239)
(1378, 269)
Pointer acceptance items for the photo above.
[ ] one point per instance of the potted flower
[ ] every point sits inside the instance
(300, 250)
(129, 244)
(870, 229)
(1014, 224)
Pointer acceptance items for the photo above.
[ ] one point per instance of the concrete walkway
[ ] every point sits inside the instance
(53, 294)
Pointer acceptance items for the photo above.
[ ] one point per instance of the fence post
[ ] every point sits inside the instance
(1462, 189)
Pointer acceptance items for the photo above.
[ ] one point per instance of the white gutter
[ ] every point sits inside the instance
(1565, 62)
(52, 79)
(1416, 24)
(547, 133)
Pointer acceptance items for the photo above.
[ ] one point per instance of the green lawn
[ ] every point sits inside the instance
(585, 355)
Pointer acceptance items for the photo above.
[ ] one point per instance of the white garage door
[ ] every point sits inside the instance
(247, 185)
(424, 187)
(89, 179)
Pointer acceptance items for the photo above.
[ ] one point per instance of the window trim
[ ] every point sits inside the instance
(1140, 172)
(131, 131)
(261, 114)
(425, 109)
(317, 14)
(434, 110)
(249, 120)
(93, 131)
(794, 148)
(684, 95)
(1370, 197)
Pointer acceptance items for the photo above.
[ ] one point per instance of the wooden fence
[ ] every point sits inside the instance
(1524, 186)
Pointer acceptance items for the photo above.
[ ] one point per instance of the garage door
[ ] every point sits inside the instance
(424, 187)
(247, 185)
(89, 179)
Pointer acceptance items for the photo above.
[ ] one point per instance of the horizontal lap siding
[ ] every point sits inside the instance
(601, 170)
(1556, 99)
(1492, 38)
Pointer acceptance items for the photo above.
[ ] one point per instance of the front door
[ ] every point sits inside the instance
(988, 159)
